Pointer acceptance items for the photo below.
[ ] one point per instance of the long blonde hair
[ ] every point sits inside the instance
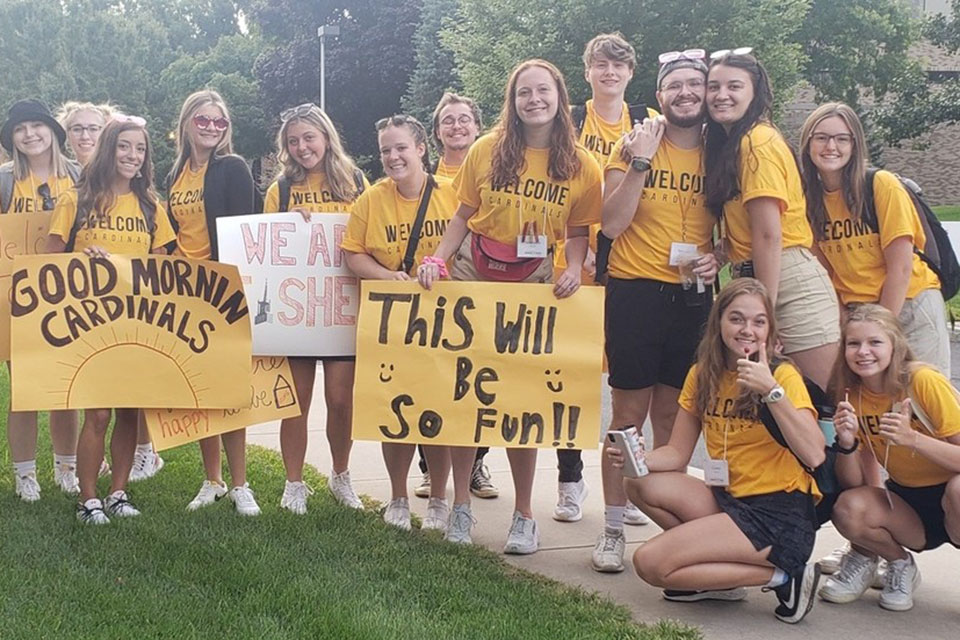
(339, 169)
(853, 175)
(58, 161)
(712, 352)
(194, 102)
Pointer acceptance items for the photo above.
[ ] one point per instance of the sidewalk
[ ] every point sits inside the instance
(565, 554)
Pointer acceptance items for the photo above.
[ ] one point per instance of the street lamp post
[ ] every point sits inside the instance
(322, 32)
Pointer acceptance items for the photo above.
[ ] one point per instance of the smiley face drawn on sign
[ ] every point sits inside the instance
(386, 372)
(555, 386)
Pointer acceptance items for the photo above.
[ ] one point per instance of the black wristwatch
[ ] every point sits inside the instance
(846, 452)
(640, 164)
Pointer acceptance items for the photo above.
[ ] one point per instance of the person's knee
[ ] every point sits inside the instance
(649, 564)
(850, 512)
(98, 420)
(951, 499)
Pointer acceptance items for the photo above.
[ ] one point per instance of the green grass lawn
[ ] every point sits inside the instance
(334, 573)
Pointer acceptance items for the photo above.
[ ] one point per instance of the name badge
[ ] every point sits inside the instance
(716, 473)
(532, 246)
(682, 252)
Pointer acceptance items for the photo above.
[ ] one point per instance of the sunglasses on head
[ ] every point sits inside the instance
(44, 192)
(298, 111)
(394, 121)
(123, 118)
(205, 122)
(739, 51)
(688, 54)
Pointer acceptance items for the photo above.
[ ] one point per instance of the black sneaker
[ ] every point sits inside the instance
(796, 595)
(730, 595)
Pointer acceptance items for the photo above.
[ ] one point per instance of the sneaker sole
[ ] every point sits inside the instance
(560, 518)
(486, 494)
(422, 493)
(521, 551)
(808, 591)
(839, 598)
(195, 506)
(612, 569)
(893, 606)
(732, 595)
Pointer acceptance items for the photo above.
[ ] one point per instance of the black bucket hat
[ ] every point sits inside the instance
(29, 111)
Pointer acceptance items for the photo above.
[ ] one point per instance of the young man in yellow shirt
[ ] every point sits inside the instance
(661, 268)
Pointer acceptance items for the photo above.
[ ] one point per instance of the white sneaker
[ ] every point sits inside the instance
(65, 477)
(853, 578)
(633, 515)
(342, 490)
(460, 523)
(397, 513)
(570, 497)
(294, 497)
(91, 512)
(209, 493)
(830, 563)
(524, 537)
(104, 469)
(423, 489)
(117, 504)
(608, 552)
(438, 512)
(244, 501)
(901, 581)
(145, 465)
(27, 487)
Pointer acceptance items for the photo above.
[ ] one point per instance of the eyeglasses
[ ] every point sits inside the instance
(123, 118)
(205, 122)
(463, 121)
(841, 139)
(299, 111)
(739, 51)
(396, 121)
(689, 54)
(44, 192)
(91, 129)
(677, 85)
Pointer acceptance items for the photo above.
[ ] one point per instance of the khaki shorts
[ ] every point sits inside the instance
(808, 315)
(463, 269)
(923, 319)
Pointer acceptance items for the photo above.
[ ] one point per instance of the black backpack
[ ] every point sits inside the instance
(283, 185)
(938, 253)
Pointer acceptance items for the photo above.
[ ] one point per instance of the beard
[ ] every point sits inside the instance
(685, 122)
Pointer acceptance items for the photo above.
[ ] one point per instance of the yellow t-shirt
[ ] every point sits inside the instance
(27, 200)
(188, 209)
(935, 395)
(535, 198)
(767, 170)
(381, 219)
(446, 171)
(599, 136)
(121, 230)
(855, 252)
(672, 208)
(312, 195)
(757, 463)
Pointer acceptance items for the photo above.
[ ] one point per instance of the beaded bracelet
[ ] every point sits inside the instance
(439, 263)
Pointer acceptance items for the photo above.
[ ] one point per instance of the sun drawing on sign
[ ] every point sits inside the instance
(92, 368)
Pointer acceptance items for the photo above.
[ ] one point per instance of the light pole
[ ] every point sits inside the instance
(322, 32)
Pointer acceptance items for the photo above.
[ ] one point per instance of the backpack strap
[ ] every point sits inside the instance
(579, 114)
(870, 213)
(408, 257)
(73, 170)
(358, 181)
(637, 112)
(283, 187)
(6, 188)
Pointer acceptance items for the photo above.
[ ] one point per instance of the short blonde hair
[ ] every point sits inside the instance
(612, 46)
(68, 110)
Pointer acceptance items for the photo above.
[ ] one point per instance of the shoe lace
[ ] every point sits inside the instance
(568, 497)
(29, 485)
(481, 475)
(852, 566)
(519, 525)
(610, 542)
(895, 575)
(463, 519)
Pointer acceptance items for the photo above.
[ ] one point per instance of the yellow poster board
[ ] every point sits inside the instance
(272, 397)
(478, 364)
(20, 234)
(128, 331)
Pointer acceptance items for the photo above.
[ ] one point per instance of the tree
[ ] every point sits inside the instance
(435, 71)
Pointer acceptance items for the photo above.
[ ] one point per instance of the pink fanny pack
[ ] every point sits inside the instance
(498, 261)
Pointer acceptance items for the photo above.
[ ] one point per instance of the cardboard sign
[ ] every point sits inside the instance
(478, 364)
(272, 397)
(295, 276)
(128, 331)
(20, 234)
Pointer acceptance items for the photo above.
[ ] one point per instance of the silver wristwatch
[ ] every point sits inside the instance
(774, 395)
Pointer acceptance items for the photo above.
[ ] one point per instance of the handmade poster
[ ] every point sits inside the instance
(272, 397)
(19, 235)
(478, 363)
(304, 297)
(128, 331)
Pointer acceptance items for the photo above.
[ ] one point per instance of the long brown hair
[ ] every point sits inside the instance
(339, 168)
(95, 188)
(712, 352)
(507, 162)
(853, 175)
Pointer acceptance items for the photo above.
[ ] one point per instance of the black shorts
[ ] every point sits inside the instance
(652, 332)
(927, 502)
(785, 522)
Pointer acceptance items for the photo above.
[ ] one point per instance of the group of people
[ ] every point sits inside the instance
(654, 202)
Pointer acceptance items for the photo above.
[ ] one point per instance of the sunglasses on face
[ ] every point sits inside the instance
(44, 192)
(205, 122)
(689, 54)
(91, 129)
(298, 111)
(739, 51)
